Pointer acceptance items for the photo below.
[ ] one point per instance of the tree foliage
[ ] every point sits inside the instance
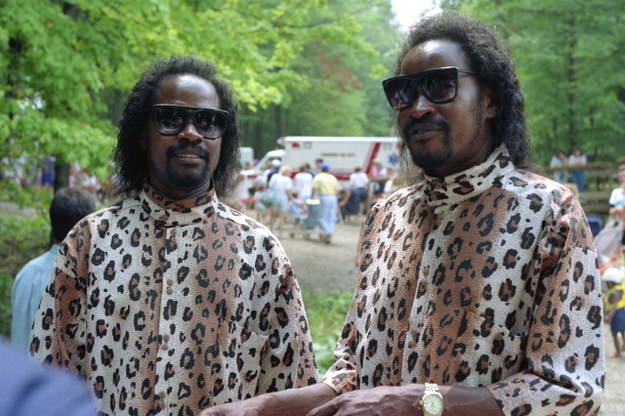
(66, 66)
(569, 57)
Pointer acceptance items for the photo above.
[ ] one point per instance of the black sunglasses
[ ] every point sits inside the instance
(438, 85)
(171, 119)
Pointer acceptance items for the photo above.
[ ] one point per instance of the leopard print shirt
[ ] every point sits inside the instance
(168, 307)
(484, 278)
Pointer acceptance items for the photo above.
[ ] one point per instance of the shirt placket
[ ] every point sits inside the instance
(416, 322)
(162, 387)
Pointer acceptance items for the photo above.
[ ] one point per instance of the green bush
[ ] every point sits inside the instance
(21, 239)
(326, 313)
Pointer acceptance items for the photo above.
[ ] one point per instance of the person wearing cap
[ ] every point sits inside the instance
(326, 187)
(275, 168)
(615, 306)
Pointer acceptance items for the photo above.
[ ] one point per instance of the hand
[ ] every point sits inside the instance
(378, 401)
(250, 407)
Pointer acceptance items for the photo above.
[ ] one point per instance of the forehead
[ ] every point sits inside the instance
(186, 90)
(432, 54)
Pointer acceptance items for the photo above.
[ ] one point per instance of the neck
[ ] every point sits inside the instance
(177, 194)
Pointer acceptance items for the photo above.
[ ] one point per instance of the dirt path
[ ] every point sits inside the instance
(321, 267)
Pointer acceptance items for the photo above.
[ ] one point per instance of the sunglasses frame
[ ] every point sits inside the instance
(190, 114)
(417, 76)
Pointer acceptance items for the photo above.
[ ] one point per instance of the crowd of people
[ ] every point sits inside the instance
(311, 197)
(478, 290)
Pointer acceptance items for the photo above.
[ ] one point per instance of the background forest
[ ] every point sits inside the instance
(298, 67)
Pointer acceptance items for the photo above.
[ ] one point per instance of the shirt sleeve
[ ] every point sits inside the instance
(289, 361)
(564, 358)
(22, 299)
(341, 377)
(59, 334)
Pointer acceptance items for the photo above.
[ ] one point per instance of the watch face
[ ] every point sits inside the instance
(432, 404)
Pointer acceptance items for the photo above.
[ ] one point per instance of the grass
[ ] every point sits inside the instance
(326, 315)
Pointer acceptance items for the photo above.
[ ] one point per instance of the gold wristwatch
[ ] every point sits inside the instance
(431, 402)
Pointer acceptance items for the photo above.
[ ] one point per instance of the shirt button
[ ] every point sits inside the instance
(164, 347)
(166, 337)
(162, 395)
(170, 282)
(170, 291)
(412, 345)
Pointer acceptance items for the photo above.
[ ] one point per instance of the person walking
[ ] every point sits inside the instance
(358, 184)
(326, 188)
(280, 189)
(302, 182)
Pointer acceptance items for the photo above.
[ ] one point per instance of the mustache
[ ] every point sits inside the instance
(187, 148)
(424, 125)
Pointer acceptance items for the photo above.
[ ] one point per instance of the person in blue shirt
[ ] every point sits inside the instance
(30, 389)
(68, 207)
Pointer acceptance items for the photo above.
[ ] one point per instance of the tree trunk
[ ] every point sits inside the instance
(572, 76)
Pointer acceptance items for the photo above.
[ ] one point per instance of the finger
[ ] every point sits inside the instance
(326, 409)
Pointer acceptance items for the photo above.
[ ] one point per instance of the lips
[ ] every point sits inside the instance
(188, 156)
(421, 131)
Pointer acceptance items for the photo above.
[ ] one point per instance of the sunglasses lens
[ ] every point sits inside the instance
(400, 92)
(210, 123)
(170, 120)
(440, 86)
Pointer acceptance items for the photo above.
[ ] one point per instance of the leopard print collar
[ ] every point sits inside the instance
(171, 213)
(453, 189)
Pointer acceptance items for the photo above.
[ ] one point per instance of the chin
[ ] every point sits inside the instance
(188, 181)
(430, 161)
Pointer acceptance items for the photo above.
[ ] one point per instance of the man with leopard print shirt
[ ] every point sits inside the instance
(170, 301)
(478, 290)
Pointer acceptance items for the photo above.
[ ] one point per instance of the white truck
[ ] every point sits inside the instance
(343, 154)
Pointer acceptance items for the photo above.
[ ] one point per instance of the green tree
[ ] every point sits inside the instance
(569, 57)
(66, 65)
(341, 94)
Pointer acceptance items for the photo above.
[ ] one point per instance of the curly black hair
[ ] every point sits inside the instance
(489, 58)
(131, 160)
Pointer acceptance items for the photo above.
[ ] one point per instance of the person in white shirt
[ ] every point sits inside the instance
(302, 182)
(559, 160)
(358, 183)
(280, 188)
(578, 176)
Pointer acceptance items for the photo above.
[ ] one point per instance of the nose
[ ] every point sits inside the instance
(421, 107)
(190, 133)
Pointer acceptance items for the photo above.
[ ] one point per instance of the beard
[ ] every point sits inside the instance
(186, 179)
(430, 160)
(445, 150)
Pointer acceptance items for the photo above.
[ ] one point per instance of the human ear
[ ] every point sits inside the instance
(489, 102)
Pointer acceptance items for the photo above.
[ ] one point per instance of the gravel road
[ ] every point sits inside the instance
(321, 267)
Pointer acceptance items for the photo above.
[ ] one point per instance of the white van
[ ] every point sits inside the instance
(343, 154)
